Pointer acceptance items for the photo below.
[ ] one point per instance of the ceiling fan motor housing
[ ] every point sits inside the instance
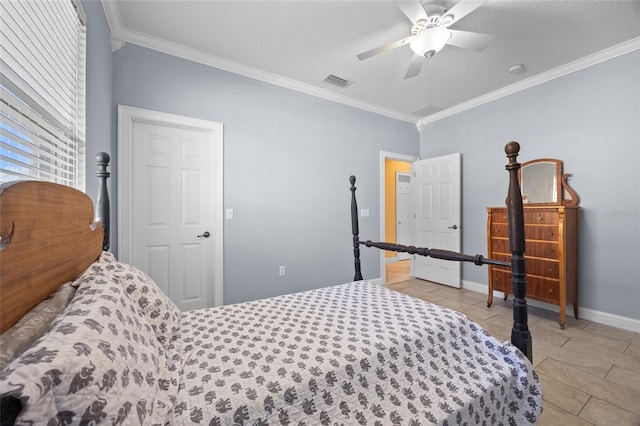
(430, 41)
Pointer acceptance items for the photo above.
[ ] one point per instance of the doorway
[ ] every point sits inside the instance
(435, 221)
(392, 269)
(170, 203)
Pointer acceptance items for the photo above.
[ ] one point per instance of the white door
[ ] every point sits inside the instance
(173, 231)
(435, 199)
(403, 212)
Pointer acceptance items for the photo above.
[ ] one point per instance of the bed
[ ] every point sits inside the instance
(110, 348)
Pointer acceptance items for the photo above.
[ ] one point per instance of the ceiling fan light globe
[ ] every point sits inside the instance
(430, 41)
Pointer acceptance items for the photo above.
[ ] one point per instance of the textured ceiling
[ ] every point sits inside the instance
(298, 43)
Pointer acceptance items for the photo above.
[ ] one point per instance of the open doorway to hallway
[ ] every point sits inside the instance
(395, 226)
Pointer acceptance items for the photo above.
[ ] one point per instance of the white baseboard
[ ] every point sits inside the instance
(377, 281)
(600, 317)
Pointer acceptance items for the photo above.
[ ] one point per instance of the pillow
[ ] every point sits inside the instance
(158, 309)
(34, 324)
(106, 262)
(99, 363)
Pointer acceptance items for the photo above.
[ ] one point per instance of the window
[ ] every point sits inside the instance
(42, 91)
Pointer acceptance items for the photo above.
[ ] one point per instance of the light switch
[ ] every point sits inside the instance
(364, 212)
(229, 213)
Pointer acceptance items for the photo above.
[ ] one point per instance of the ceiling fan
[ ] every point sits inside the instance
(430, 31)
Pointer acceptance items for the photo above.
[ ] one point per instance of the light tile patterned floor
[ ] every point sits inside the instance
(590, 372)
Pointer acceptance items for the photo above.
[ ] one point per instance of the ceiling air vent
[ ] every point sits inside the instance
(337, 81)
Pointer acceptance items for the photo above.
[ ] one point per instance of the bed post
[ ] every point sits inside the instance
(520, 335)
(355, 230)
(102, 210)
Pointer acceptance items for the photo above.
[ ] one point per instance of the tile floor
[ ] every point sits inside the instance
(590, 372)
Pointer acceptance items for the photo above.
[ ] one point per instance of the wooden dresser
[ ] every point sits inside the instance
(551, 252)
(551, 235)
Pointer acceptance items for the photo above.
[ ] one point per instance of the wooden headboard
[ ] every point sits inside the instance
(48, 236)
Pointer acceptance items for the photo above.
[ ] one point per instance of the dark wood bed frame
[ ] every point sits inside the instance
(28, 274)
(520, 335)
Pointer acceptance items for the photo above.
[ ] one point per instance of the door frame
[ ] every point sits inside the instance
(401, 256)
(127, 116)
(384, 155)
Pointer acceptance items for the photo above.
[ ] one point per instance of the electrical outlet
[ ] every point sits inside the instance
(282, 271)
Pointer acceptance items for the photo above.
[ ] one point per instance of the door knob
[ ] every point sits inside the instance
(205, 234)
(453, 227)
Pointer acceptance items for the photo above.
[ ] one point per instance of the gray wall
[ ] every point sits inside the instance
(287, 160)
(590, 119)
(100, 116)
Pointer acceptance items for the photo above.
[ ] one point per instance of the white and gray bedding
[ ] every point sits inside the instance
(122, 353)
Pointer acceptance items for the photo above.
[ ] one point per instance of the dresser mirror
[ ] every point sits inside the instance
(543, 182)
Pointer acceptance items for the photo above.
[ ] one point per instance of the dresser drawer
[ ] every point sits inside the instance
(544, 217)
(531, 232)
(534, 266)
(499, 216)
(499, 230)
(543, 289)
(548, 250)
(543, 268)
(499, 245)
(541, 232)
(548, 217)
(501, 279)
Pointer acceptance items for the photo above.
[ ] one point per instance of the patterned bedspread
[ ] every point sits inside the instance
(349, 354)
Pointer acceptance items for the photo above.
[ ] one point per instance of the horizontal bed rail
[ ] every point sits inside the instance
(477, 259)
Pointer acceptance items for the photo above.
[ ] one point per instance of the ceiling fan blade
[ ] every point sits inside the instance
(469, 40)
(462, 9)
(412, 9)
(384, 48)
(414, 66)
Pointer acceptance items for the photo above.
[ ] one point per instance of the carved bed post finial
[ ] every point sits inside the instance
(355, 230)
(102, 210)
(520, 335)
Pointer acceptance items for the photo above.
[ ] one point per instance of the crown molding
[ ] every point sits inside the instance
(112, 13)
(120, 36)
(587, 61)
(198, 56)
(114, 21)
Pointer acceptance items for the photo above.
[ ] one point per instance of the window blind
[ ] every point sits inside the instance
(42, 91)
